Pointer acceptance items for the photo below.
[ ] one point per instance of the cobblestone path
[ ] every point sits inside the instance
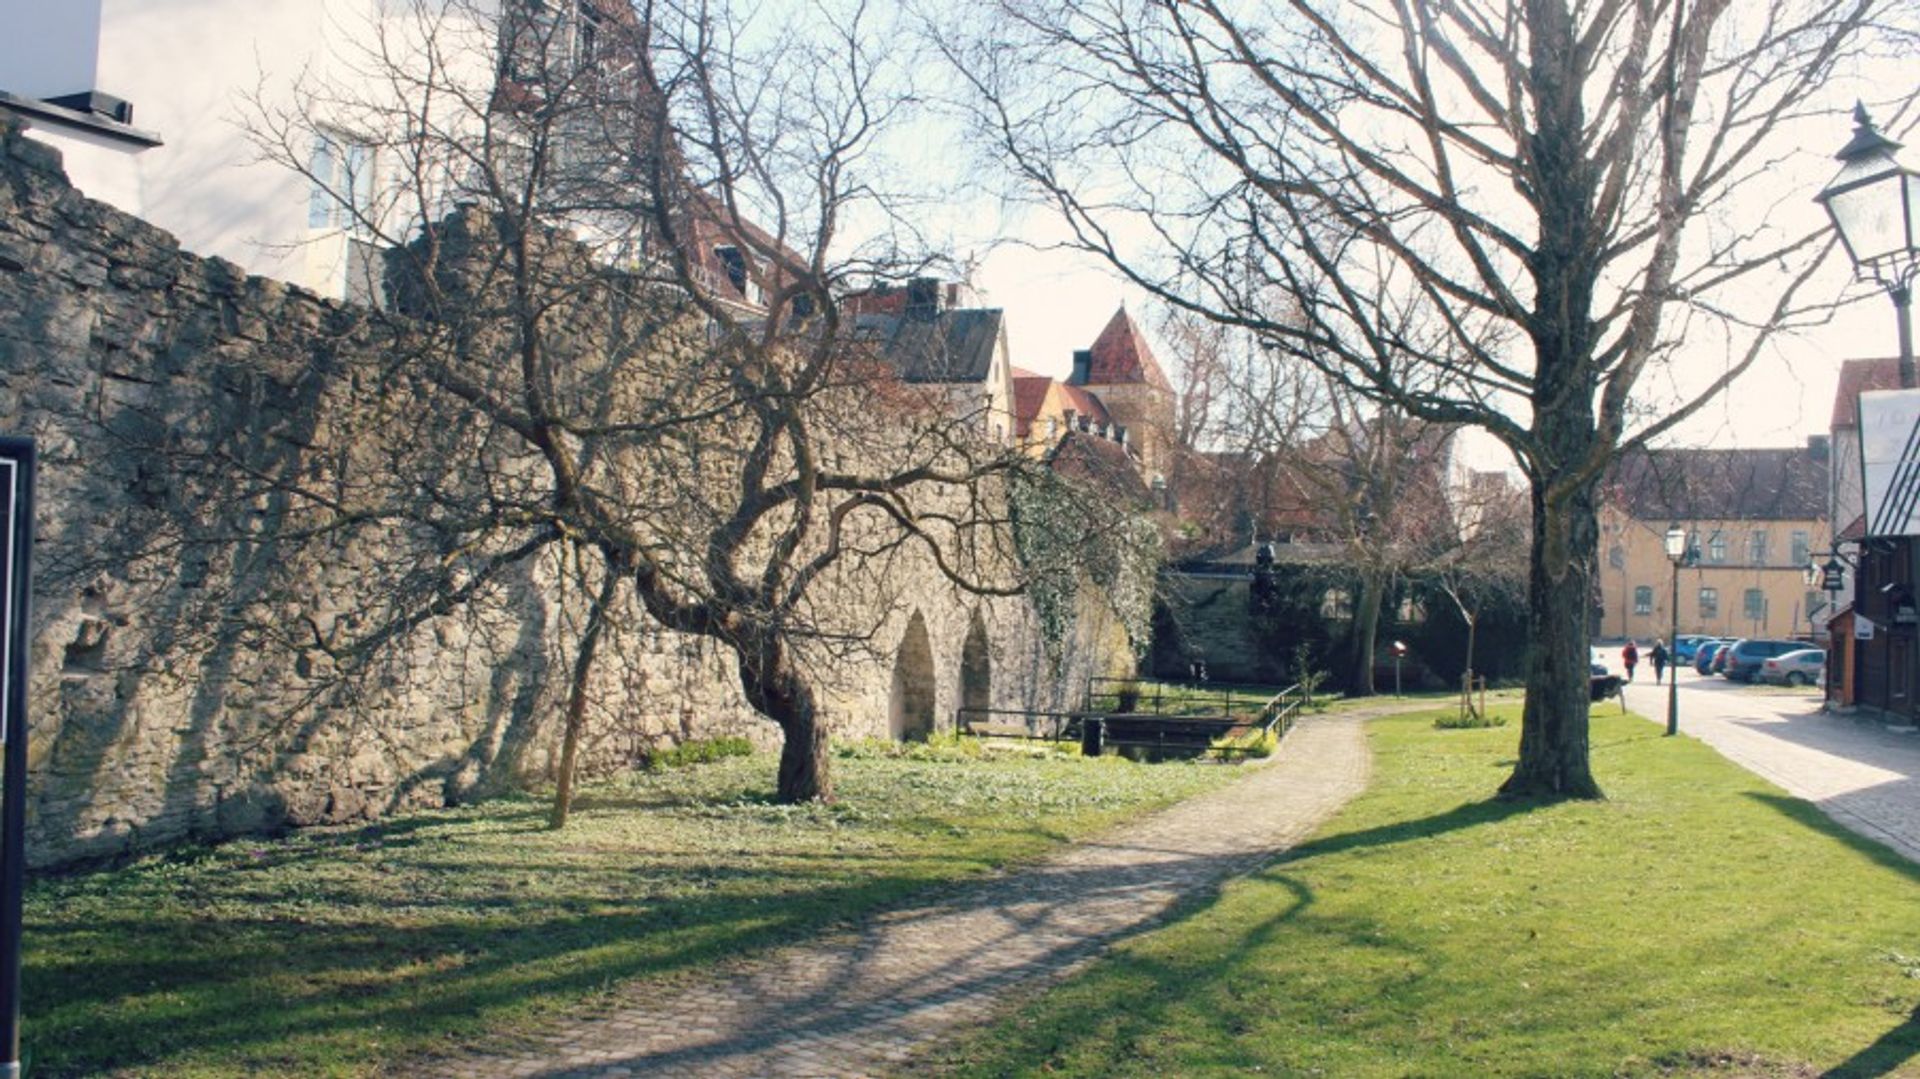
(855, 1003)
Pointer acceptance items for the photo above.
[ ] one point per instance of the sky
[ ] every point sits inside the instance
(1058, 301)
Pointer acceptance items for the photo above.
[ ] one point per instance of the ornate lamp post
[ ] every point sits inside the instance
(1874, 202)
(1678, 551)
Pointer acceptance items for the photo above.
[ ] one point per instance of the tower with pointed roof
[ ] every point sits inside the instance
(1121, 371)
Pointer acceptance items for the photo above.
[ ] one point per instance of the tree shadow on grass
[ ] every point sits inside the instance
(1901, 1043)
(1885, 1055)
(1465, 815)
(1810, 815)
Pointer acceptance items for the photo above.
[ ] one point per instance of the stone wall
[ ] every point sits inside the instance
(163, 707)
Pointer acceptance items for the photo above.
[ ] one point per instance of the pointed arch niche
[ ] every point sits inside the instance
(910, 709)
(976, 667)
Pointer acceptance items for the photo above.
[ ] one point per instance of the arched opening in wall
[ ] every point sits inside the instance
(910, 711)
(976, 668)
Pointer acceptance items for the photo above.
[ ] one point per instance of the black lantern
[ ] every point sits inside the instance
(1875, 205)
(1833, 577)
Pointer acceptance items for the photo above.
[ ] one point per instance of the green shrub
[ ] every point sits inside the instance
(698, 751)
(1460, 721)
(1253, 743)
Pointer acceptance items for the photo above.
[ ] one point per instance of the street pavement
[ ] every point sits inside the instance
(1858, 770)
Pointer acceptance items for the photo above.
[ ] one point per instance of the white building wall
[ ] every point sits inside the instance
(199, 76)
(50, 48)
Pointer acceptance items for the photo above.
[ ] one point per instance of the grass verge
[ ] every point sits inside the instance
(337, 952)
(1697, 922)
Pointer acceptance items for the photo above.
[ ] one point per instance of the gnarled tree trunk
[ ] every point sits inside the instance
(779, 692)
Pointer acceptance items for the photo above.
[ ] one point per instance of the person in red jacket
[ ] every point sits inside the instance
(1630, 658)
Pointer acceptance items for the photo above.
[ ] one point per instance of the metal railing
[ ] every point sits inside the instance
(1186, 721)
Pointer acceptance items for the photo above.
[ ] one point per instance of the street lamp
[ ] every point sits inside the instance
(1678, 550)
(1833, 576)
(1875, 205)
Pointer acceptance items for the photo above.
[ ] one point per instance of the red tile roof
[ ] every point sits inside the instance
(1030, 396)
(1029, 393)
(1120, 354)
(1856, 377)
(1713, 484)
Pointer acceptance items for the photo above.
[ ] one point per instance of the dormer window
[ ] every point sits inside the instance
(734, 265)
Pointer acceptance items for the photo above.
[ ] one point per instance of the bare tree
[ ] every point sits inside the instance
(615, 257)
(1552, 183)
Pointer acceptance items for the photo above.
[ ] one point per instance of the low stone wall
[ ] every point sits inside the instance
(159, 713)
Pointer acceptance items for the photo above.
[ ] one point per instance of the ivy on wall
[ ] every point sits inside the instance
(1067, 535)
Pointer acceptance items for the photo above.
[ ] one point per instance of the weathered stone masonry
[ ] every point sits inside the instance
(155, 718)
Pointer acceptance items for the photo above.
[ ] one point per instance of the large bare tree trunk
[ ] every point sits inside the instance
(1553, 731)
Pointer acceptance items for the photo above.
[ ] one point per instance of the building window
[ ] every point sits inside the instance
(1717, 547)
(1709, 603)
(1643, 599)
(1757, 548)
(341, 169)
(1336, 603)
(1617, 556)
(1412, 611)
(589, 36)
(1802, 550)
(1755, 605)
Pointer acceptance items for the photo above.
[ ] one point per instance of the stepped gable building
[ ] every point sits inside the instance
(1756, 515)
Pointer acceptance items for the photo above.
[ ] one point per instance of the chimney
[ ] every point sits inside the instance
(1082, 366)
(923, 298)
(1818, 448)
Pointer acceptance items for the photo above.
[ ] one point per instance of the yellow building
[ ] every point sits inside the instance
(1756, 517)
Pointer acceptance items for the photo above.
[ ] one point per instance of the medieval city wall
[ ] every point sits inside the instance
(164, 707)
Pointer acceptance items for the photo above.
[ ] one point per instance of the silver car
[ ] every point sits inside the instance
(1802, 668)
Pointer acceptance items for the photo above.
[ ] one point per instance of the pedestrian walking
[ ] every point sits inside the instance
(1630, 658)
(1659, 658)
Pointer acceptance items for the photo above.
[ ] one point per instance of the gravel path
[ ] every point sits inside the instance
(860, 1001)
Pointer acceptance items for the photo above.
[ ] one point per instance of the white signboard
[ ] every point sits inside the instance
(1890, 461)
(1862, 628)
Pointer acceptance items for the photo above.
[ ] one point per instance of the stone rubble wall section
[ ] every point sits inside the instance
(154, 720)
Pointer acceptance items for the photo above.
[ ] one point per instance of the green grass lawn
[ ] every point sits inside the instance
(331, 952)
(1699, 921)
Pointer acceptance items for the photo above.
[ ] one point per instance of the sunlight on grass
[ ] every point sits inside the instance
(1698, 921)
(330, 952)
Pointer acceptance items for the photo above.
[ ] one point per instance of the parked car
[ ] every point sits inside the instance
(1686, 645)
(1803, 668)
(1742, 659)
(1704, 653)
(1601, 684)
